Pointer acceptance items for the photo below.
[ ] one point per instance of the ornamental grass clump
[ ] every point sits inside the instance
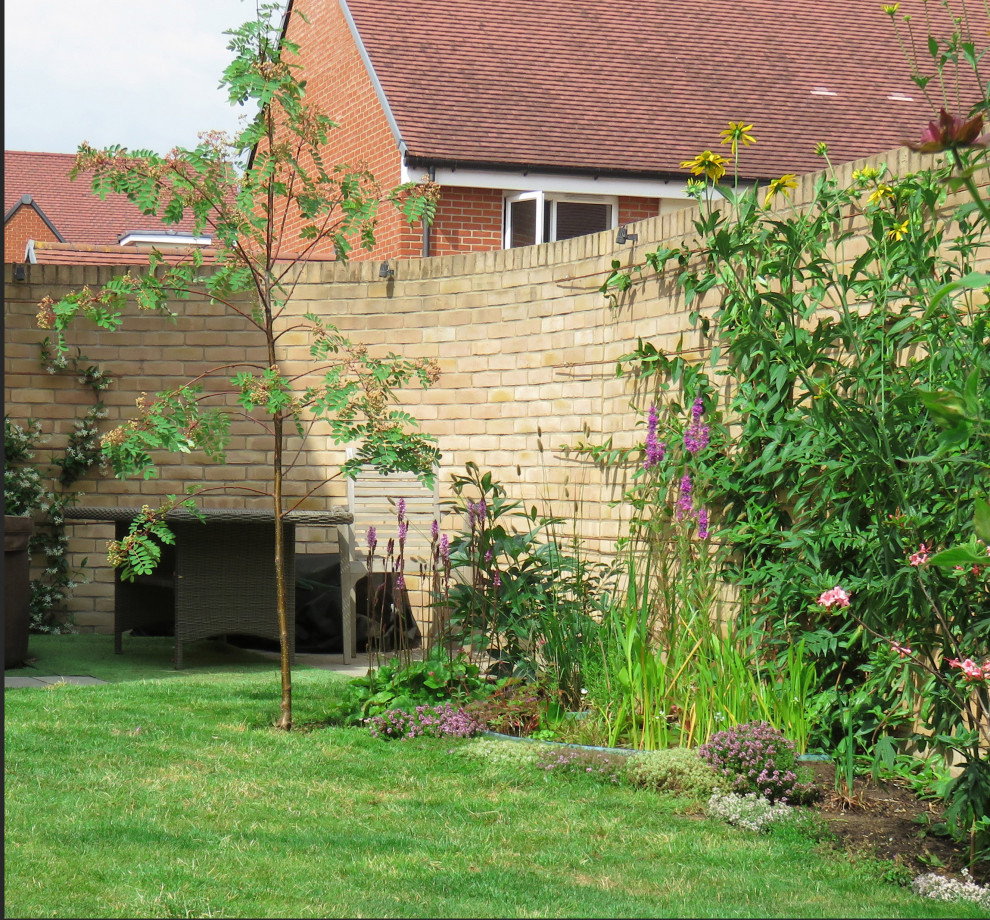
(755, 757)
(677, 771)
(444, 721)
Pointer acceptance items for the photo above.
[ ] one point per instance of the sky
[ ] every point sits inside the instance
(139, 73)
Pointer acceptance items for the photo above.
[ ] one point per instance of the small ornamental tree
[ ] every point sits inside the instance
(244, 191)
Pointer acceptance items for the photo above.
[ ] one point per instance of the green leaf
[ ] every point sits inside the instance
(971, 281)
(960, 555)
(981, 520)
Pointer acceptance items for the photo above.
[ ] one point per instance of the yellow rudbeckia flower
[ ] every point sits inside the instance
(737, 133)
(708, 164)
(898, 231)
(783, 185)
(880, 194)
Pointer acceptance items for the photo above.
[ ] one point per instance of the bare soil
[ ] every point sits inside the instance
(888, 821)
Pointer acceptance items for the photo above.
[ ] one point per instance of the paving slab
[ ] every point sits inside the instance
(50, 679)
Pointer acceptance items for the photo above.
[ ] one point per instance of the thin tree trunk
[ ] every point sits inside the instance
(285, 719)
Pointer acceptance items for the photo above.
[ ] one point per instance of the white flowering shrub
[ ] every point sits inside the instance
(750, 811)
(940, 888)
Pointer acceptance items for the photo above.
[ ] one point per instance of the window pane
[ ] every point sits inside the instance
(577, 218)
(522, 222)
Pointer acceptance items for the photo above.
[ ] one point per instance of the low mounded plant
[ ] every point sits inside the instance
(598, 764)
(494, 751)
(444, 721)
(941, 888)
(754, 757)
(679, 771)
(404, 685)
(751, 811)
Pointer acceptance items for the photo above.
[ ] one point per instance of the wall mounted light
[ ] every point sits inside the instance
(623, 236)
(20, 272)
(385, 272)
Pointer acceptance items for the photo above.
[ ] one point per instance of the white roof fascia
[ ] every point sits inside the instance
(559, 182)
(171, 239)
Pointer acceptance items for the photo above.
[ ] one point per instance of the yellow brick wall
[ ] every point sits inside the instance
(525, 340)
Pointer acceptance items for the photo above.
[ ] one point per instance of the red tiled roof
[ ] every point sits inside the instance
(47, 253)
(643, 85)
(73, 209)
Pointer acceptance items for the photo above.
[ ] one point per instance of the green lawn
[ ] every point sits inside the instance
(175, 798)
(143, 658)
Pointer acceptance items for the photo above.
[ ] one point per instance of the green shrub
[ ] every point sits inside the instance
(407, 684)
(516, 707)
(679, 771)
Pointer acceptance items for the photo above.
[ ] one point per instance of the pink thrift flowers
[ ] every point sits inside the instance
(834, 597)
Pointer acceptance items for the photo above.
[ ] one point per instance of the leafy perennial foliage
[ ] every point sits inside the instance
(836, 326)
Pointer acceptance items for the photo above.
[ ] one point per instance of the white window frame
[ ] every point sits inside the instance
(542, 197)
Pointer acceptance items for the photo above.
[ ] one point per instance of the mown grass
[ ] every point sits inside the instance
(176, 798)
(143, 658)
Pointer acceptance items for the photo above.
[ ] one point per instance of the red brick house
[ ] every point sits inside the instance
(50, 219)
(546, 120)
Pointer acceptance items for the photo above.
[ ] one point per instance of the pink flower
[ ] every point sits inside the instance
(950, 131)
(834, 597)
(903, 650)
(971, 670)
(921, 556)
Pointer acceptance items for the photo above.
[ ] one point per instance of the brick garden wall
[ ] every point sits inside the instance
(525, 340)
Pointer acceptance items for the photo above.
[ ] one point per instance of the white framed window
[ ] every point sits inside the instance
(541, 217)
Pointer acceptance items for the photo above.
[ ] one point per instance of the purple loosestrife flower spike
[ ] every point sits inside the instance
(403, 530)
(488, 557)
(703, 523)
(472, 514)
(400, 581)
(482, 511)
(696, 436)
(372, 539)
(434, 529)
(401, 509)
(654, 449)
(684, 504)
(445, 549)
